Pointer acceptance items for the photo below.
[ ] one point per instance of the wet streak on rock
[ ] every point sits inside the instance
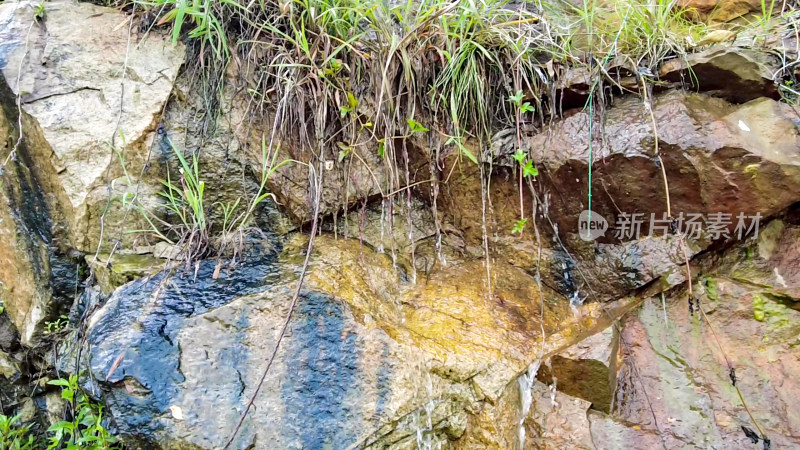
(143, 319)
(24, 194)
(322, 371)
(33, 236)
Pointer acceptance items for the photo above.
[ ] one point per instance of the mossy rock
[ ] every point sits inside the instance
(122, 269)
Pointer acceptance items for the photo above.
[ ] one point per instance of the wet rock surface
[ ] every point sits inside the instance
(373, 360)
(404, 335)
(587, 370)
(675, 384)
(37, 273)
(84, 124)
(718, 158)
(368, 359)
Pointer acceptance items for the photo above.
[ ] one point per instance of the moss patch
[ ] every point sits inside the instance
(771, 312)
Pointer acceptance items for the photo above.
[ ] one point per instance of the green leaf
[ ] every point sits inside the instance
(519, 226)
(416, 127)
(529, 171)
(519, 156)
(176, 30)
(67, 394)
(352, 104)
(344, 150)
(516, 98)
(526, 107)
(468, 154)
(464, 151)
(352, 101)
(382, 148)
(61, 426)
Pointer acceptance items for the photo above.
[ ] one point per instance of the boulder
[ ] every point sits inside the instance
(97, 122)
(737, 74)
(721, 10)
(587, 370)
(684, 361)
(718, 157)
(370, 359)
(36, 273)
(82, 125)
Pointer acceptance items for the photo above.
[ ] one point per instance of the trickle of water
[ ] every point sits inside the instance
(425, 435)
(525, 382)
(575, 299)
(439, 254)
(553, 393)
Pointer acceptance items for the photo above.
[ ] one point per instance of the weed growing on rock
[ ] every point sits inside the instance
(187, 225)
(15, 436)
(446, 64)
(85, 428)
(39, 12)
(207, 17)
(57, 325)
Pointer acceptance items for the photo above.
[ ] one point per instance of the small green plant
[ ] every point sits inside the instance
(788, 92)
(382, 148)
(207, 16)
(185, 202)
(764, 20)
(519, 156)
(39, 12)
(522, 107)
(121, 156)
(344, 150)
(519, 226)
(416, 127)
(452, 140)
(236, 220)
(526, 170)
(350, 107)
(15, 436)
(188, 226)
(85, 430)
(56, 325)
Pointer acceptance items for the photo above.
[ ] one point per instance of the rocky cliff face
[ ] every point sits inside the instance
(422, 321)
(85, 124)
